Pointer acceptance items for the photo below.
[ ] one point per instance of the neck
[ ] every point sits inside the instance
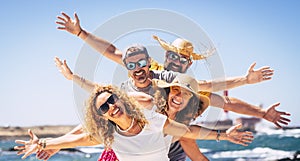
(126, 125)
(171, 114)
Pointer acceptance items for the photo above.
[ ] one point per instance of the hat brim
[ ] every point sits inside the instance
(205, 100)
(170, 47)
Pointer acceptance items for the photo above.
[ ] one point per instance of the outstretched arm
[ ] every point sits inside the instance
(47, 154)
(196, 132)
(252, 77)
(102, 46)
(241, 107)
(68, 74)
(35, 145)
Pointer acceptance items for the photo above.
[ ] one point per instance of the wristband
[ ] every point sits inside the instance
(79, 32)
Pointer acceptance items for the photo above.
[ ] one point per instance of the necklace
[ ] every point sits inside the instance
(123, 131)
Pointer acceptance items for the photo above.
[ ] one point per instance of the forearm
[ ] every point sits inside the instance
(191, 149)
(102, 46)
(229, 83)
(192, 132)
(83, 83)
(69, 141)
(241, 107)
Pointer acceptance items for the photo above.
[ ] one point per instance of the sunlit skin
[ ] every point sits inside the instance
(116, 112)
(175, 65)
(178, 99)
(140, 75)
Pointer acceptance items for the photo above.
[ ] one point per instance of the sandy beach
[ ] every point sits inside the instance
(8, 133)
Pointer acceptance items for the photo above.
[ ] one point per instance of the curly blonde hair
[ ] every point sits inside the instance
(102, 129)
(192, 110)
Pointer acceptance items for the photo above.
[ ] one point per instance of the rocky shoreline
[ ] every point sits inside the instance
(12, 133)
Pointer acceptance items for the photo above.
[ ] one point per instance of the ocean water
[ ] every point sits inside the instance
(267, 145)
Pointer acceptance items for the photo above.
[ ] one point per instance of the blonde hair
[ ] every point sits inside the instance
(102, 129)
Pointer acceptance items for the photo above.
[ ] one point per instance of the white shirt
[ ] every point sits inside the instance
(148, 145)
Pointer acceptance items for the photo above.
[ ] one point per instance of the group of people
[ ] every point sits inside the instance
(148, 117)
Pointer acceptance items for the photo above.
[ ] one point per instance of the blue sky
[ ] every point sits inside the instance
(34, 93)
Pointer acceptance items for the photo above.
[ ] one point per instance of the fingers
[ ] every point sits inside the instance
(283, 122)
(239, 142)
(267, 74)
(284, 113)
(42, 155)
(58, 62)
(238, 126)
(21, 152)
(251, 68)
(76, 17)
(19, 147)
(31, 134)
(60, 23)
(64, 20)
(66, 16)
(275, 105)
(277, 125)
(20, 142)
(285, 119)
(265, 69)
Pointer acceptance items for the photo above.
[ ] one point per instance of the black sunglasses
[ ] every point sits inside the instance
(174, 56)
(112, 99)
(132, 65)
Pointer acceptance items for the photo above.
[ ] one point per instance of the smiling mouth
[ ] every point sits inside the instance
(176, 102)
(115, 111)
(139, 73)
(174, 67)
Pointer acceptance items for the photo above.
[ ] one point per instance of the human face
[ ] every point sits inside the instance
(176, 62)
(139, 69)
(178, 98)
(112, 99)
(109, 106)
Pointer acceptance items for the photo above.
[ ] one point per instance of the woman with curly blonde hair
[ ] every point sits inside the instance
(102, 128)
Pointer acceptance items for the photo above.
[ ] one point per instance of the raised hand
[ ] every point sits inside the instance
(259, 75)
(68, 24)
(237, 137)
(63, 68)
(275, 116)
(28, 147)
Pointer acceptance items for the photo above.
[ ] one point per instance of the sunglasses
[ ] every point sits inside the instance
(132, 65)
(174, 56)
(112, 99)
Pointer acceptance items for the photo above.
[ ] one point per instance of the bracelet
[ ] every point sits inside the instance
(41, 144)
(79, 32)
(218, 136)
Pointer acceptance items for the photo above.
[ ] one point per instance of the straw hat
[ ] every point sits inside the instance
(183, 47)
(187, 82)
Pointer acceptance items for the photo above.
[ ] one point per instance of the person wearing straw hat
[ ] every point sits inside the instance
(114, 119)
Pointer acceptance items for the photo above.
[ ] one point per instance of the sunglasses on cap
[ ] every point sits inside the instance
(174, 56)
(132, 65)
(112, 99)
